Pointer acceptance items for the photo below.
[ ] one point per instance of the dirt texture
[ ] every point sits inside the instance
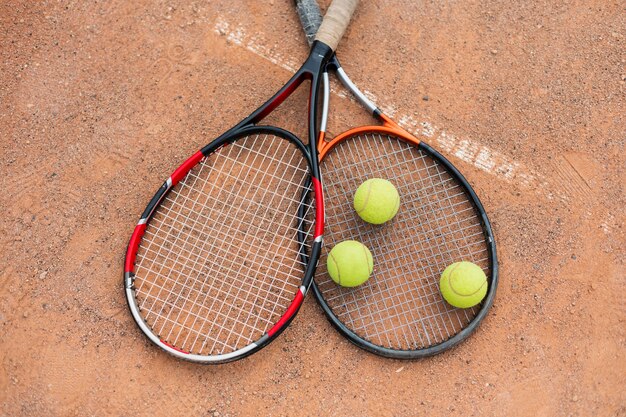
(101, 100)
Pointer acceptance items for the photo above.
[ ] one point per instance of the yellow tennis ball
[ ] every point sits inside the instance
(463, 284)
(350, 263)
(376, 201)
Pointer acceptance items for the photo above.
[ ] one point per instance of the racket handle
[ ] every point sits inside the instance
(310, 16)
(335, 22)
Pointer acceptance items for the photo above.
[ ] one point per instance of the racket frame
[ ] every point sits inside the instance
(389, 127)
(311, 70)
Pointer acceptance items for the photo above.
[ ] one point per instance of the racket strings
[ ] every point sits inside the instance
(400, 306)
(219, 262)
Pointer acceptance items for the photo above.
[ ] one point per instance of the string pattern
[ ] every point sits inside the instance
(219, 262)
(400, 306)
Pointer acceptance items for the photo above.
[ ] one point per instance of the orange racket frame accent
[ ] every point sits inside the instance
(389, 127)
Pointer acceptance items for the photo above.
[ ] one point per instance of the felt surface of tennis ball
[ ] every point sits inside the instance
(350, 263)
(376, 201)
(463, 284)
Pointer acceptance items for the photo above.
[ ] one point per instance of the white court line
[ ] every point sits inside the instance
(467, 150)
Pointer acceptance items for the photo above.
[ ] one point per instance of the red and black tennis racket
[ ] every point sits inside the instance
(399, 311)
(214, 269)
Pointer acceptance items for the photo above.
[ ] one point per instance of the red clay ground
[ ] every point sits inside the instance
(100, 101)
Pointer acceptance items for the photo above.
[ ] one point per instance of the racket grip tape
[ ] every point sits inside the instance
(335, 22)
(310, 16)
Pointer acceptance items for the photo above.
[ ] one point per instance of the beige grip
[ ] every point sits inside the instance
(335, 22)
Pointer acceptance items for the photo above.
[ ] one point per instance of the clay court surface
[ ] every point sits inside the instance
(100, 101)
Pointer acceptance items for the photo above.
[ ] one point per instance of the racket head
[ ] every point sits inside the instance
(399, 312)
(214, 268)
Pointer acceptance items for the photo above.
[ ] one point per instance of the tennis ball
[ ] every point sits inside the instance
(463, 284)
(350, 263)
(376, 201)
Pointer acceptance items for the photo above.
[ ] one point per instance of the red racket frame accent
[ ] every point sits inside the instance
(133, 245)
(174, 347)
(289, 313)
(184, 169)
(319, 209)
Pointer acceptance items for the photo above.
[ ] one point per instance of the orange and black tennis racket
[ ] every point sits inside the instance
(214, 269)
(399, 311)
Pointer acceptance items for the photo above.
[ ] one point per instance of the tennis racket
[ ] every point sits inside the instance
(214, 269)
(399, 311)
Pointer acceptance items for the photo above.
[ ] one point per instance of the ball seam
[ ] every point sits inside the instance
(367, 196)
(468, 295)
(330, 255)
(448, 276)
(367, 260)
(452, 287)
